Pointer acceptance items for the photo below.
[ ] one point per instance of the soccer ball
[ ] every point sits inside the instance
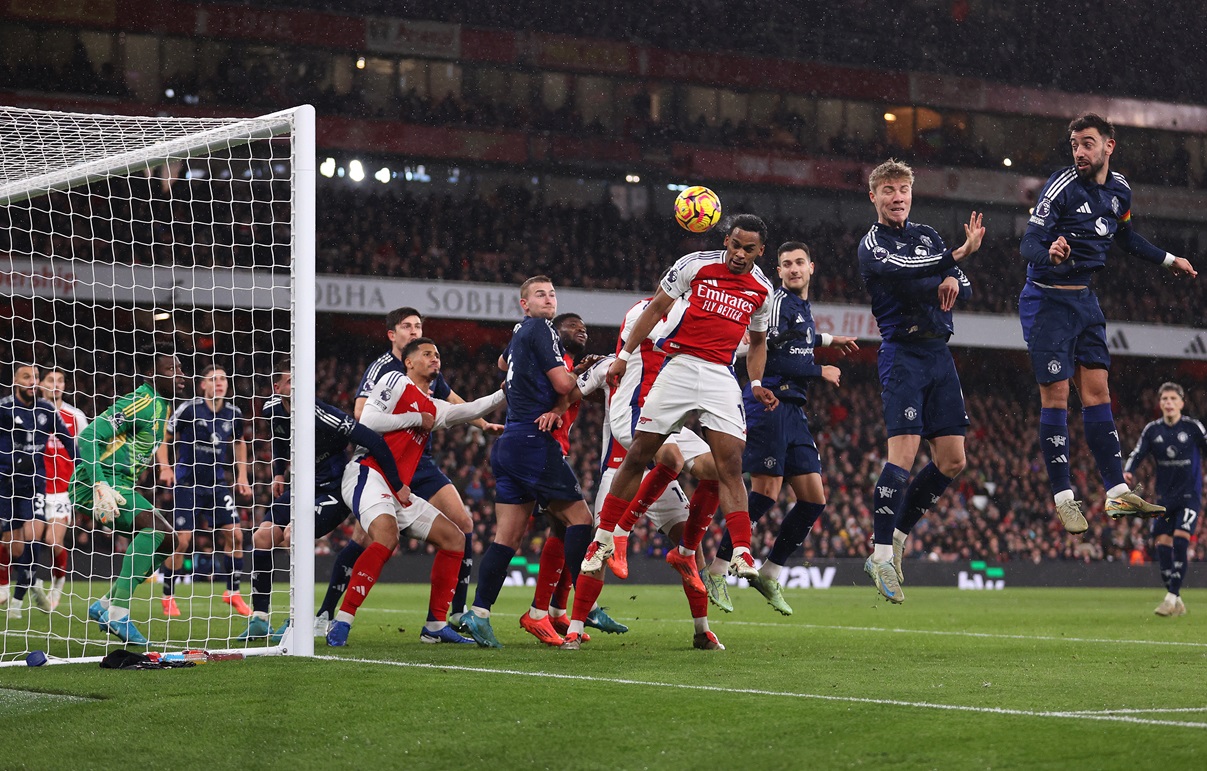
(697, 209)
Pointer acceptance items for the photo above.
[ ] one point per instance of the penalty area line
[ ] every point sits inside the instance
(1063, 715)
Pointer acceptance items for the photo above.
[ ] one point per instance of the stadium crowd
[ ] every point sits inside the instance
(268, 79)
(505, 237)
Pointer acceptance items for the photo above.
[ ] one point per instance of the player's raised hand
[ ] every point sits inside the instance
(1059, 251)
(549, 421)
(616, 372)
(844, 344)
(974, 232)
(766, 398)
(949, 290)
(831, 374)
(586, 362)
(1182, 267)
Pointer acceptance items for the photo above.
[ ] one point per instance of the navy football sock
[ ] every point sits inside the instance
(794, 530)
(169, 580)
(467, 565)
(759, 505)
(886, 502)
(1103, 439)
(261, 579)
(235, 581)
(223, 568)
(492, 571)
(22, 569)
(923, 493)
(576, 540)
(1178, 572)
(1054, 444)
(341, 574)
(1165, 561)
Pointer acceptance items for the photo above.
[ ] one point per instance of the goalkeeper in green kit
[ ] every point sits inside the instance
(113, 451)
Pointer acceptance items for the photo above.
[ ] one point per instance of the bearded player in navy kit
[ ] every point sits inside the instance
(1081, 210)
(914, 283)
(779, 443)
(1177, 444)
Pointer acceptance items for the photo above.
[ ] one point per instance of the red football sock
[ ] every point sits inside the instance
(564, 585)
(59, 569)
(738, 525)
(699, 512)
(613, 509)
(697, 601)
(4, 557)
(586, 592)
(652, 487)
(553, 559)
(445, 572)
(364, 574)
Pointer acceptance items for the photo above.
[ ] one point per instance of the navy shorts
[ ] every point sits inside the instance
(329, 511)
(530, 467)
(921, 390)
(194, 504)
(17, 508)
(428, 480)
(1063, 328)
(778, 442)
(1178, 516)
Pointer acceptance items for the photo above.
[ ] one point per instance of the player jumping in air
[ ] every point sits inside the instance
(1082, 209)
(914, 283)
(726, 294)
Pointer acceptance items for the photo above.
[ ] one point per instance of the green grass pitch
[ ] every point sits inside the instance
(1021, 678)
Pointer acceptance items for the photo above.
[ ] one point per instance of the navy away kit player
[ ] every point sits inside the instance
(914, 283)
(1176, 444)
(1081, 210)
(26, 424)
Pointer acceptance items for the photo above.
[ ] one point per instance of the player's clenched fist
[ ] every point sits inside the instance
(1059, 251)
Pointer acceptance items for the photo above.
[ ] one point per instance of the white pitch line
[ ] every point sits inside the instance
(890, 630)
(1153, 711)
(984, 635)
(784, 694)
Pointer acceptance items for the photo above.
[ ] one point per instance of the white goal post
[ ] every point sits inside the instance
(124, 238)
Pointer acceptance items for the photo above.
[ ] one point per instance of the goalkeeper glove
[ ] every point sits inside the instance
(107, 502)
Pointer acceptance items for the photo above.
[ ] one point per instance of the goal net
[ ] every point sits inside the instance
(128, 245)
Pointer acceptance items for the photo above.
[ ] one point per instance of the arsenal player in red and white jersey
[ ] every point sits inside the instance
(726, 294)
(51, 529)
(400, 409)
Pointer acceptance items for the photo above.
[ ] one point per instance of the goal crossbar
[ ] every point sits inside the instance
(226, 136)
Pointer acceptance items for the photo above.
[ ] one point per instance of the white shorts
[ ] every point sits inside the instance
(690, 445)
(687, 384)
(57, 507)
(669, 510)
(366, 492)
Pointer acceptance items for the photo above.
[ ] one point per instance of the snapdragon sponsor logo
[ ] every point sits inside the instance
(981, 576)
